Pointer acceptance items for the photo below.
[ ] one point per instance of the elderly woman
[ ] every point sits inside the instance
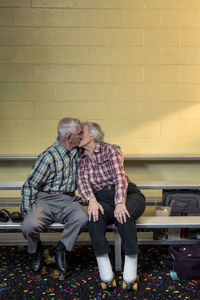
(112, 199)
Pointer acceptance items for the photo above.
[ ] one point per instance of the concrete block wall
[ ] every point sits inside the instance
(130, 65)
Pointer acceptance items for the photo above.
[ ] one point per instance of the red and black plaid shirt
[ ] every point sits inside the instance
(103, 169)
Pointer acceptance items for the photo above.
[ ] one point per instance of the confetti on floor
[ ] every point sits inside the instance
(82, 281)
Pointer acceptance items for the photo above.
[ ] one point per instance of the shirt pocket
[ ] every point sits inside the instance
(103, 165)
(102, 159)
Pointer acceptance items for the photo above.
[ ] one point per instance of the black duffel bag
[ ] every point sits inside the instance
(182, 202)
(186, 261)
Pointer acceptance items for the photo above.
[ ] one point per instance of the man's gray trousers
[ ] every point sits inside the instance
(48, 209)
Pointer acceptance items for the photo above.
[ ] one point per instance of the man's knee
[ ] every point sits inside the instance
(29, 225)
(81, 218)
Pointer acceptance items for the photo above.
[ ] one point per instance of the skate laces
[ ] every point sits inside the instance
(62, 257)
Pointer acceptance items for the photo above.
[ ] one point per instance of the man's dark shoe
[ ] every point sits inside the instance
(61, 260)
(36, 260)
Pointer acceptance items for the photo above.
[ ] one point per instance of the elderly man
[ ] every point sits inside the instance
(48, 195)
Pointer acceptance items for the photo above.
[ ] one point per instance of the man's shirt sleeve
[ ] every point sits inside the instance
(36, 178)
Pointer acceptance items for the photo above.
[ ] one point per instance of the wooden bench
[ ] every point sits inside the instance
(145, 222)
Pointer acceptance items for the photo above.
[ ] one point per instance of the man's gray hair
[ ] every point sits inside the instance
(67, 126)
(95, 131)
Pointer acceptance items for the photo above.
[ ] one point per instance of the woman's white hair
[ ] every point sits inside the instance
(95, 131)
(67, 126)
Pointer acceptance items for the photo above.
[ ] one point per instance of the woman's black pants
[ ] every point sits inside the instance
(135, 205)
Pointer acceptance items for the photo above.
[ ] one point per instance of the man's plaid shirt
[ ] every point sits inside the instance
(103, 169)
(55, 170)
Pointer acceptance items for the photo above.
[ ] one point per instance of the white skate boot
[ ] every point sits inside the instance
(130, 278)
(105, 272)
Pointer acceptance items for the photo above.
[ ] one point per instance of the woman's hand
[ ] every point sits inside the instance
(121, 212)
(93, 209)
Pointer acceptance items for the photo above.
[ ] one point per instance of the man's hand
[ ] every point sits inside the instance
(93, 209)
(121, 212)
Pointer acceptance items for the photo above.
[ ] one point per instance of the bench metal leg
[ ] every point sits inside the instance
(118, 252)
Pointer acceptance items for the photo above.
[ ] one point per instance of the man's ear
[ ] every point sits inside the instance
(68, 138)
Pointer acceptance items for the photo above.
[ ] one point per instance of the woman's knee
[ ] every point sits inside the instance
(136, 207)
(97, 226)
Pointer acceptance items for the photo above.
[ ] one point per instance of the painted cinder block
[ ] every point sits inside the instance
(143, 111)
(55, 91)
(7, 129)
(52, 36)
(124, 37)
(181, 128)
(181, 55)
(143, 18)
(190, 37)
(88, 3)
(125, 111)
(81, 55)
(44, 54)
(142, 129)
(5, 16)
(172, 146)
(142, 92)
(124, 55)
(124, 4)
(124, 73)
(15, 3)
(52, 73)
(26, 145)
(190, 74)
(36, 128)
(180, 92)
(68, 17)
(17, 110)
(190, 111)
(180, 18)
(161, 74)
(130, 128)
(69, 3)
(160, 110)
(59, 110)
(173, 4)
(161, 37)
(160, 4)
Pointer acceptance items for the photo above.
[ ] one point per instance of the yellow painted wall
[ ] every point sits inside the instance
(131, 65)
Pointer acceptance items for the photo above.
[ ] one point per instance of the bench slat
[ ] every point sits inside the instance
(169, 222)
(142, 222)
(128, 157)
(17, 185)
